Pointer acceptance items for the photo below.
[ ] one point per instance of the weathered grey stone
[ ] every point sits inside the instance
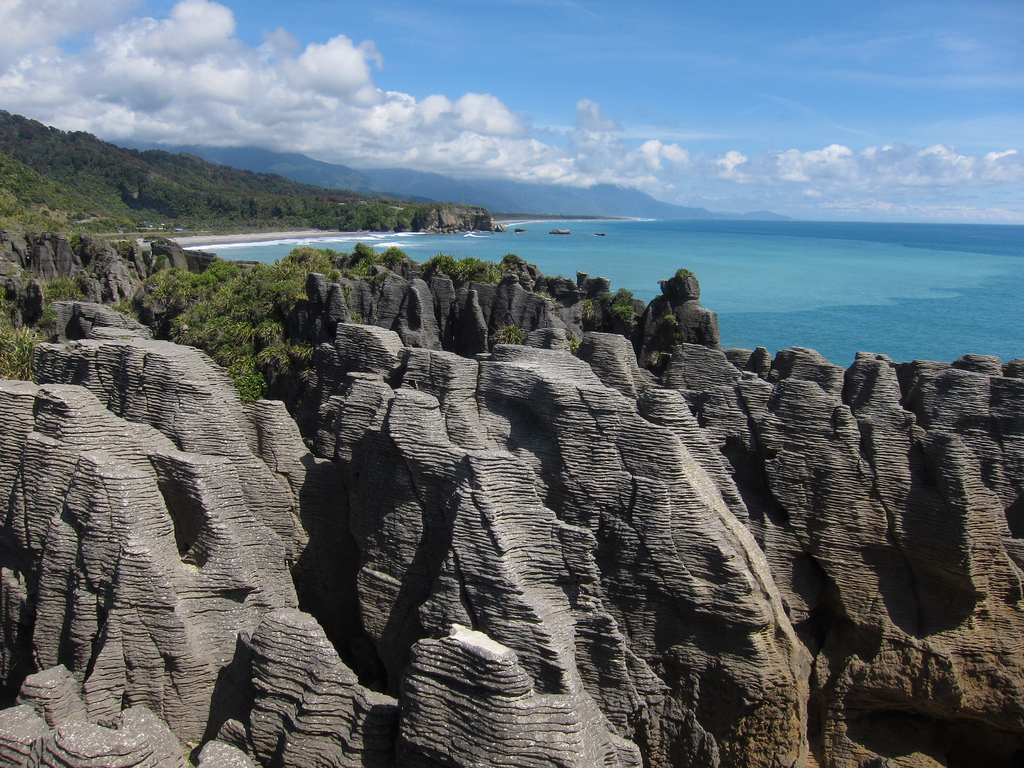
(612, 358)
(86, 320)
(20, 728)
(217, 754)
(514, 724)
(53, 695)
(889, 512)
(309, 708)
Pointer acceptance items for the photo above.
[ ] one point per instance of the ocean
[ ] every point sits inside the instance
(910, 291)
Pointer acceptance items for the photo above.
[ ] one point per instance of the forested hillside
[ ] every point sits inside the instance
(71, 180)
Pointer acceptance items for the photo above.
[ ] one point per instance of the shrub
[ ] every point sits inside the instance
(392, 257)
(467, 270)
(238, 316)
(16, 348)
(62, 289)
(587, 309)
(683, 273)
(622, 305)
(508, 334)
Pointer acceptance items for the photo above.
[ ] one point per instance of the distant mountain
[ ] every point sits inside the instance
(549, 199)
(291, 165)
(496, 195)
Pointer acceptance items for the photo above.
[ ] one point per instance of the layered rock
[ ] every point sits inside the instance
(101, 272)
(308, 707)
(523, 498)
(885, 498)
(513, 724)
(452, 219)
(137, 557)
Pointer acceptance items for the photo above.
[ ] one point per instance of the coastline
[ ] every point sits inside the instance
(191, 241)
(197, 241)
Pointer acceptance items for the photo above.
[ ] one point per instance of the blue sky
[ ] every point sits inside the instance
(867, 110)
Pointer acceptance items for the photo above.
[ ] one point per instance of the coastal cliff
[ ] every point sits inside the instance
(654, 552)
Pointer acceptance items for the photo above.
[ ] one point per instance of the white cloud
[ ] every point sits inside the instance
(34, 25)
(893, 210)
(729, 166)
(589, 117)
(196, 27)
(484, 114)
(336, 68)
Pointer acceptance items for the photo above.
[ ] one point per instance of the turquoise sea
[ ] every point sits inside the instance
(911, 291)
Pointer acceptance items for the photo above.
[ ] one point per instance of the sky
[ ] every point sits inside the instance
(895, 110)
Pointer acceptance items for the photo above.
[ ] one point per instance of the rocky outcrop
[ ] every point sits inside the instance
(521, 497)
(452, 219)
(887, 500)
(514, 724)
(673, 318)
(88, 320)
(308, 707)
(467, 317)
(150, 522)
(102, 272)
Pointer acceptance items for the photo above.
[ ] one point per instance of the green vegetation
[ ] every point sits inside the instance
(683, 273)
(587, 311)
(58, 289)
(16, 346)
(28, 201)
(238, 316)
(622, 305)
(18, 342)
(467, 270)
(508, 334)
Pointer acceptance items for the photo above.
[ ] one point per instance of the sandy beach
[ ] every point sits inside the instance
(195, 241)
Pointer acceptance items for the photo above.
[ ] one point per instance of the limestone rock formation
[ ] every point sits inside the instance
(102, 274)
(675, 317)
(887, 499)
(451, 219)
(308, 707)
(512, 723)
(137, 558)
(511, 556)
(523, 498)
(89, 320)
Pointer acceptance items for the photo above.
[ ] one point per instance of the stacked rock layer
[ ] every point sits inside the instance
(520, 558)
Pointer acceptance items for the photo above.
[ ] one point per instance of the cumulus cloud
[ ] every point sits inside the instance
(336, 68)
(195, 28)
(187, 79)
(38, 24)
(732, 166)
(589, 117)
(837, 166)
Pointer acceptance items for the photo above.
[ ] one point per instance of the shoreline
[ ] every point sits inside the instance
(259, 237)
(195, 241)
